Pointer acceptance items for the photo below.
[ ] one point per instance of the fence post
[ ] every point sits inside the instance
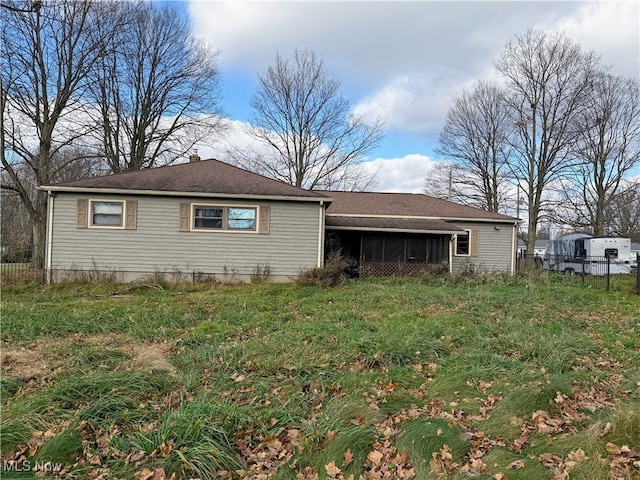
(637, 273)
(608, 271)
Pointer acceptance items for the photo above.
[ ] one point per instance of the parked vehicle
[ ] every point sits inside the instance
(579, 253)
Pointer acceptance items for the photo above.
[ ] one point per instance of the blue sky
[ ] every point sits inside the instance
(402, 61)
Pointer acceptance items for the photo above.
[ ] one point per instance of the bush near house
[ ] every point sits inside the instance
(487, 377)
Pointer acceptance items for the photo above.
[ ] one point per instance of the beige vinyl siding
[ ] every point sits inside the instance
(491, 249)
(158, 244)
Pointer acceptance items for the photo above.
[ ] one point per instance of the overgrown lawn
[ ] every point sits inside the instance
(522, 378)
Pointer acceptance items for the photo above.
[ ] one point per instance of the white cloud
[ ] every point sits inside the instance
(405, 61)
(405, 174)
(369, 43)
(235, 137)
(417, 104)
(611, 29)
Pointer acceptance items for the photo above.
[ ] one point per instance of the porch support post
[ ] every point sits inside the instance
(451, 242)
(321, 234)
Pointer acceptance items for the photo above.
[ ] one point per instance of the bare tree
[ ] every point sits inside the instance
(476, 137)
(622, 216)
(312, 137)
(607, 148)
(47, 54)
(157, 91)
(448, 182)
(15, 222)
(549, 77)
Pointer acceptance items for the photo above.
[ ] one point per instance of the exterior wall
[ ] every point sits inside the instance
(156, 245)
(495, 248)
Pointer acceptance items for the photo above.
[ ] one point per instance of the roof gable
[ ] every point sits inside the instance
(201, 177)
(369, 204)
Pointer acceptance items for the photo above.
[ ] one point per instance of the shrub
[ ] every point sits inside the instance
(332, 274)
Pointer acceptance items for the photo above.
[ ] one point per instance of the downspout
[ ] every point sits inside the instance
(514, 246)
(49, 261)
(321, 235)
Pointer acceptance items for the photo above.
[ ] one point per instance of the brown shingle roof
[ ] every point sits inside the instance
(205, 176)
(366, 204)
(396, 224)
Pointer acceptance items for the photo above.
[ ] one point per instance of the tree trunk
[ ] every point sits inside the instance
(39, 230)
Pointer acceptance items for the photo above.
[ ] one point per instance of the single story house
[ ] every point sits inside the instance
(539, 248)
(207, 218)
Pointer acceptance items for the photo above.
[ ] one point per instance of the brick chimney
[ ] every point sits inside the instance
(194, 157)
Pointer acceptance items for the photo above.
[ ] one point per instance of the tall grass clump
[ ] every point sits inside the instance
(200, 447)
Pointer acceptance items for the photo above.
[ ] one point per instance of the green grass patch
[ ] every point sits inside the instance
(202, 379)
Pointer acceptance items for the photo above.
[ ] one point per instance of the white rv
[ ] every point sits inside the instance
(584, 254)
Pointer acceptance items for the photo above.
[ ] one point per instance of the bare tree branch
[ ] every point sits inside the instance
(476, 137)
(47, 55)
(307, 126)
(548, 77)
(157, 91)
(607, 148)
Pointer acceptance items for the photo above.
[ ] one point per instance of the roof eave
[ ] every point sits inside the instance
(428, 217)
(485, 220)
(165, 193)
(394, 230)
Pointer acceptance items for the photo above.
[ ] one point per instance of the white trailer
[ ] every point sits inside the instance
(579, 253)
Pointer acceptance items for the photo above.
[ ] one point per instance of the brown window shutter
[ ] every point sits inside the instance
(184, 217)
(131, 221)
(264, 219)
(473, 242)
(83, 213)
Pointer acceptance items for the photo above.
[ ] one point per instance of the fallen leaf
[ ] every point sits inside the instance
(517, 464)
(520, 443)
(578, 456)
(348, 458)
(329, 438)
(375, 457)
(332, 470)
(483, 386)
(307, 473)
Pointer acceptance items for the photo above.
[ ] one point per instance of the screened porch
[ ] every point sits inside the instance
(391, 254)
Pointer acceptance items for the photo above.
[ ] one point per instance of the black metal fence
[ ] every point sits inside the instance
(20, 272)
(592, 271)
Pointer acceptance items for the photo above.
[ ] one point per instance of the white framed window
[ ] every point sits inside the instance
(463, 244)
(106, 214)
(224, 217)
